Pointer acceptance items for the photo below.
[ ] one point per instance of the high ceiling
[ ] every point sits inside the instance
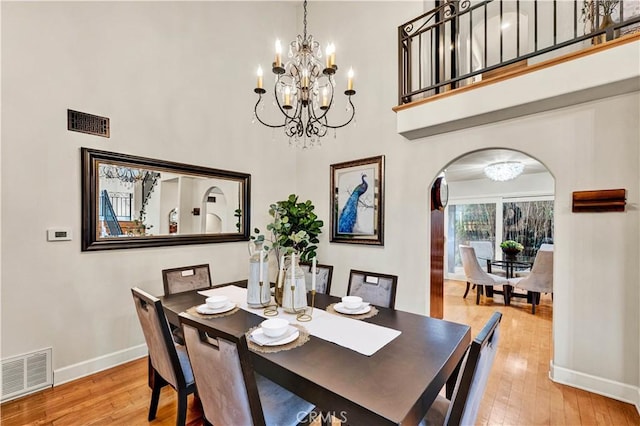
(471, 166)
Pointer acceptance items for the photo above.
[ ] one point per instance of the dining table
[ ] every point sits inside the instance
(394, 385)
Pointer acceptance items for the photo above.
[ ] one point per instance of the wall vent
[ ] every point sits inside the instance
(87, 123)
(26, 373)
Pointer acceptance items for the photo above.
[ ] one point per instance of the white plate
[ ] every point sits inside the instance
(294, 336)
(339, 307)
(206, 310)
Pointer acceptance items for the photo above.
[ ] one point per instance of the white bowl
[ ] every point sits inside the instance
(215, 302)
(352, 302)
(274, 327)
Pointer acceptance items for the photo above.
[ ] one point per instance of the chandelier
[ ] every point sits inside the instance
(504, 171)
(126, 175)
(304, 90)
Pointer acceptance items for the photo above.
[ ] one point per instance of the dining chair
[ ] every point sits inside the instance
(375, 288)
(324, 273)
(485, 250)
(182, 279)
(463, 407)
(231, 392)
(543, 247)
(186, 278)
(170, 362)
(479, 277)
(539, 280)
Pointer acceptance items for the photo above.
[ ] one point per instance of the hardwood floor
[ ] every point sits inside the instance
(519, 391)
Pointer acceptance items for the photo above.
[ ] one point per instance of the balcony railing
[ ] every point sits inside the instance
(460, 42)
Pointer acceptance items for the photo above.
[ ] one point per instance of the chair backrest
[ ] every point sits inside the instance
(186, 278)
(475, 370)
(324, 273)
(472, 269)
(484, 250)
(155, 328)
(223, 373)
(377, 289)
(540, 278)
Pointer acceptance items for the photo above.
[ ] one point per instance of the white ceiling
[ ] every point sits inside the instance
(471, 166)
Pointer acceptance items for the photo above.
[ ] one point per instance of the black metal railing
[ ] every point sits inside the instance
(458, 42)
(149, 182)
(109, 215)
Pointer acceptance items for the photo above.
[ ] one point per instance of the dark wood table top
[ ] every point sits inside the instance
(396, 385)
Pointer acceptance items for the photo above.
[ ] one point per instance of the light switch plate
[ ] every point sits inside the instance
(59, 234)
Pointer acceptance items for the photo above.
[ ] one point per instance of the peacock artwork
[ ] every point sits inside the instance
(355, 202)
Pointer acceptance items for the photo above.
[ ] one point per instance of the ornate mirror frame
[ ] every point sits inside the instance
(91, 241)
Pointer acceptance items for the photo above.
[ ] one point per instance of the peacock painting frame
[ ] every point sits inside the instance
(357, 201)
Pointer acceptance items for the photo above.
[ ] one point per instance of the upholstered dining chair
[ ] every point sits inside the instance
(182, 279)
(479, 277)
(539, 280)
(186, 278)
(485, 250)
(169, 361)
(375, 288)
(229, 389)
(463, 407)
(324, 273)
(543, 247)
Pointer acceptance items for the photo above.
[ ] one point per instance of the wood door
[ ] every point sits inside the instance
(437, 264)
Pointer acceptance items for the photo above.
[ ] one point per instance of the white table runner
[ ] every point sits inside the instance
(350, 333)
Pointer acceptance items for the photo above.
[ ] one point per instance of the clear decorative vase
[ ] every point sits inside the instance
(294, 289)
(258, 294)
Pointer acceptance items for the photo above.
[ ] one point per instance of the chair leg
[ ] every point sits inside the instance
(181, 417)
(478, 291)
(467, 290)
(535, 299)
(155, 395)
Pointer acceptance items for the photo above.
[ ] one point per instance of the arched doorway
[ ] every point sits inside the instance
(480, 209)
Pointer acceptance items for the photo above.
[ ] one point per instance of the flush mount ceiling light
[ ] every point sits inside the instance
(504, 171)
(304, 89)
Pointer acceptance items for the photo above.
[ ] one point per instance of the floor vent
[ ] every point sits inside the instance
(26, 373)
(86, 123)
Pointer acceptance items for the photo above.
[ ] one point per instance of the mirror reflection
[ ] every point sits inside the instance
(152, 200)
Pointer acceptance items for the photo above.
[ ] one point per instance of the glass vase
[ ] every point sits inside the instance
(294, 289)
(258, 294)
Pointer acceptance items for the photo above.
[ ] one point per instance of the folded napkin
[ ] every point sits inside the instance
(262, 339)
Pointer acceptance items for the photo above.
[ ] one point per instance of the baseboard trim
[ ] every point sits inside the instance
(605, 387)
(95, 365)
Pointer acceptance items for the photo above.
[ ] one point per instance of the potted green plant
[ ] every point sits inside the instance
(511, 247)
(295, 227)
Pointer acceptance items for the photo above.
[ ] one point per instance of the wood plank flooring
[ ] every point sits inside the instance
(519, 391)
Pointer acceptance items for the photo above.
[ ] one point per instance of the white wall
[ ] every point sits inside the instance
(171, 80)
(526, 185)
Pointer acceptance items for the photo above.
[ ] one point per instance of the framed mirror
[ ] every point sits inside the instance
(133, 202)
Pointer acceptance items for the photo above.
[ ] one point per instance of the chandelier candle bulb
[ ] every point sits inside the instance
(350, 79)
(287, 98)
(305, 78)
(278, 62)
(325, 98)
(259, 73)
(331, 55)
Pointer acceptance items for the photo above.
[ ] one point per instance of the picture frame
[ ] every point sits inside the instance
(357, 201)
